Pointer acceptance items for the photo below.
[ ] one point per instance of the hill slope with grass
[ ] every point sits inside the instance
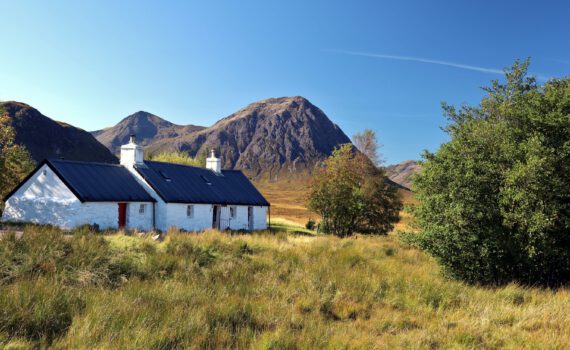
(403, 172)
(263, 291)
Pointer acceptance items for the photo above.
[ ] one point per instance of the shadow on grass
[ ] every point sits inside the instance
(297, 231)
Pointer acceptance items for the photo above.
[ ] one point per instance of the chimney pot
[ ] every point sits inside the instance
(213, 163)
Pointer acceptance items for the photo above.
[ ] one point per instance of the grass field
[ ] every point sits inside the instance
(262, 291)
(288, 199)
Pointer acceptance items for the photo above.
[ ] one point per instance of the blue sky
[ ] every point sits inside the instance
(384, 65)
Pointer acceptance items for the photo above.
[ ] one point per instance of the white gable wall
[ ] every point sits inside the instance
(45, 184)
(43, 199)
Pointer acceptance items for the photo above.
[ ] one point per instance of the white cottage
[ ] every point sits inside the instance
(137, 194)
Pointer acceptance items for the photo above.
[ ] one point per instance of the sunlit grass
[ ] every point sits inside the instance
(268, 290)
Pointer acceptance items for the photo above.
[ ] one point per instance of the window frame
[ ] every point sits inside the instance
(190, 211)
(233, 211)
(142, 208)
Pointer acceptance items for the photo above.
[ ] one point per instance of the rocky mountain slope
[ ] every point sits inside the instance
(266, 139)
(402, 173)
(47, 138)
(148, 128)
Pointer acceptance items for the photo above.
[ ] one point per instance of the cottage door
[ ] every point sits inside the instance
(122, 215)
(216, 217)
(250, 218)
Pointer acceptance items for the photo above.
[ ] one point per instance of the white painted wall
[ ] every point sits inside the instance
(45, 199)
(136, 220)
(176, 217)
(203, 215)
(160, 206)
(259, 218)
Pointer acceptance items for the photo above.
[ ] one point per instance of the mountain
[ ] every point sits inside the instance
(269, 138)
(147, 127)
(47, 138)
(402, 173)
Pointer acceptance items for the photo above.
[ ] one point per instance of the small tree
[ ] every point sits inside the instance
(15, 161)
(495, 200)
(351, 194)
(367, 143)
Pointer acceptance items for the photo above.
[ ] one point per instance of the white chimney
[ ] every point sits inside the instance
(131, 153)
(213, 163)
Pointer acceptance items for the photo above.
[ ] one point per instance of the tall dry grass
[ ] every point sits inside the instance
(261, 291)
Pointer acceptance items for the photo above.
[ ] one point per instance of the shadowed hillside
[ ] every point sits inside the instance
(47, 138)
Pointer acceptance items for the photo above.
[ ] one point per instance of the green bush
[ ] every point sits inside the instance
(495, 199)
(311, 224)
(352, 195)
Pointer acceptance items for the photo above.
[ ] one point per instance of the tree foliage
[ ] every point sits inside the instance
(367, 143)
(179, 158)
(495, 199)
(351, 194)
(15, 161)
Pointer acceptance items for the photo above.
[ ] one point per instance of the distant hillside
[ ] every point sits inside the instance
(148, 128)
(402, 173)
(269, 138)
(46, 138)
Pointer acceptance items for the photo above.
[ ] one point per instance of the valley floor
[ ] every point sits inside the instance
(261, 291)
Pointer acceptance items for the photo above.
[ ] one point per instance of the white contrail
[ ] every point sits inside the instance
(421, 60)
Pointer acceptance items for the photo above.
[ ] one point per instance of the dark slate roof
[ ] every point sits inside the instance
(96, 182)
(100, 182)
(177, 183)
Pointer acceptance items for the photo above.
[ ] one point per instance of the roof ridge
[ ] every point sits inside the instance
(177, 164)
(51, 160)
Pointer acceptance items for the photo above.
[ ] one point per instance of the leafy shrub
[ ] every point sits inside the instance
(495, 200)
(310, 225)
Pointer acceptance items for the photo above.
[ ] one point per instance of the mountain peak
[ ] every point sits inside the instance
(274, 136)
(146, 126)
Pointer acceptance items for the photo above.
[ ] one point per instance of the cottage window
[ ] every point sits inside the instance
(190, 211)
(233, 211)
(142, 208)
